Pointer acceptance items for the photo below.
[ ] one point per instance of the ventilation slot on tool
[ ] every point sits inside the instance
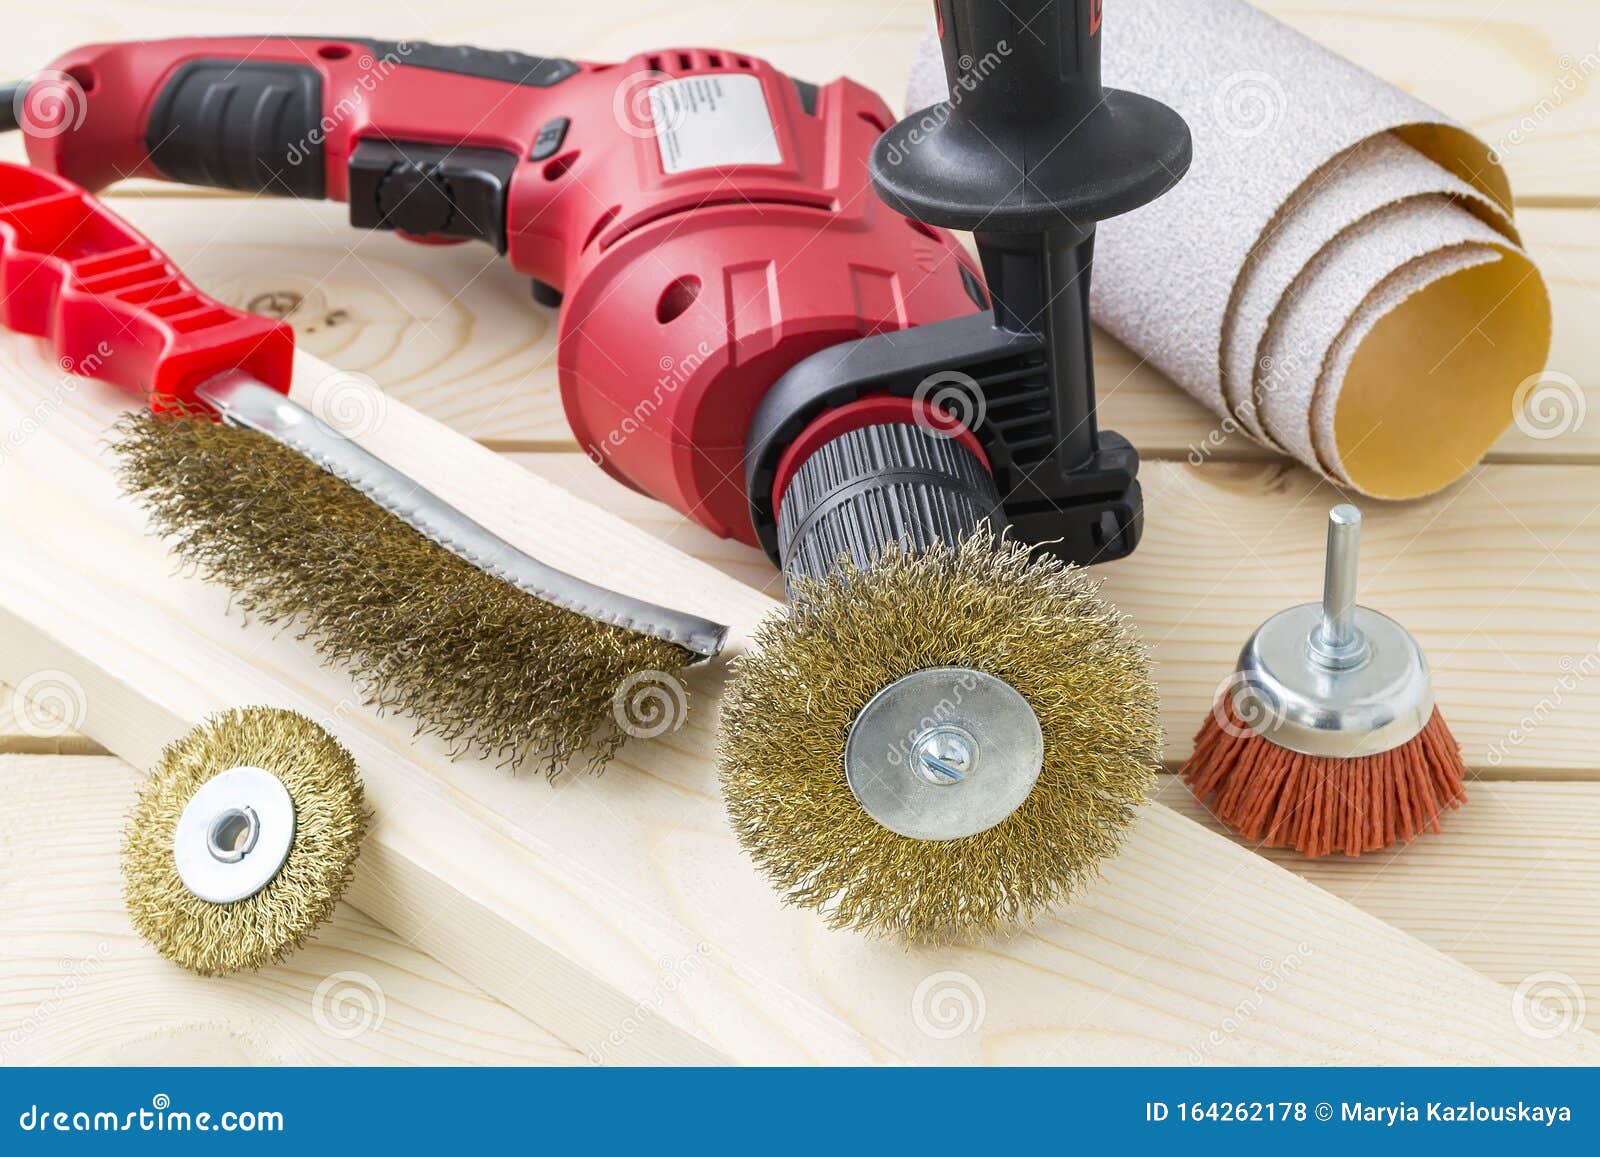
(1017, 408)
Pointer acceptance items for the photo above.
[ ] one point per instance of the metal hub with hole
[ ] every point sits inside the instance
(944, 753)
(234, 835)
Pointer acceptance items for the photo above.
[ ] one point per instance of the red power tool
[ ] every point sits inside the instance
(743, 320)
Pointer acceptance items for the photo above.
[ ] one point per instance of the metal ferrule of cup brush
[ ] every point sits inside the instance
(1333, 678)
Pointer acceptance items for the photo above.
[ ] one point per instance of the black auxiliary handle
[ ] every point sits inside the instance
(1029, 153)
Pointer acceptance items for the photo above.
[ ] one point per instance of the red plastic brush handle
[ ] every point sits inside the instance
(112, 305)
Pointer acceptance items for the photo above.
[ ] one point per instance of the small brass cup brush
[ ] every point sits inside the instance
(1327, 738)
(243, 839)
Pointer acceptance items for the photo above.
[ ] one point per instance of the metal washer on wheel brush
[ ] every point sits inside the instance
(944, 753)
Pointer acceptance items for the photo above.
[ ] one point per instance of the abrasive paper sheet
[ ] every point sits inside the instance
(1274, 279)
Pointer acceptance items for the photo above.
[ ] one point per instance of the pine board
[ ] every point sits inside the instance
(453, 332)
(78, 985)
(24, 732)
(1498, 577)
(1512, 889)
(569, 903)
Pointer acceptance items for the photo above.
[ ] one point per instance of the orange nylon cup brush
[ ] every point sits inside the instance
(1327, 738)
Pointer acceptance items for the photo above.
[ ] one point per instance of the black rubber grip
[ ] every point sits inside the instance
(253, 126)
(465, 60)
(892, 483)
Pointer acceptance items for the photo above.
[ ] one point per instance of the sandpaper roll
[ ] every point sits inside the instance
(1339, 275)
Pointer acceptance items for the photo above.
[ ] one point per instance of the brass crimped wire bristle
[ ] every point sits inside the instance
(493, 670)
(330, 821)
(1030, 620)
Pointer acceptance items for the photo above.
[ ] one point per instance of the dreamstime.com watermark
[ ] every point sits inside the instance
(946, 710)
(1549, 405)
(1575, 672)
(47, 704)
(948, 1004)
(350, 403)
(1571, 82)
(1247, 104)
(674, 372)
(642, 109)
(75, 972)
(49, 104)
(374, 71)
(949, 403)
(1273, 374)
(970, 74)
(648, 704)
(1243, 709)
(1273, 975)
(371, 684)
(1548, 1005)
(44, 410)
(674, 974)
(158, 1117)
(349, 1004)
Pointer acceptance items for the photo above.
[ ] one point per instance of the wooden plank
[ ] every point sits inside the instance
(1498, 577)
(78, 985)
(583, 905)
(25, 731)
(1512, 889)
(1520, 76)
(453, 333)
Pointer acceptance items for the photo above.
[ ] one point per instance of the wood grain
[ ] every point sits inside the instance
(78, 986)
(25, 731)
(453, 332)
(618, 911)
(1499, 578)
(1522, 76)
(1511, 889)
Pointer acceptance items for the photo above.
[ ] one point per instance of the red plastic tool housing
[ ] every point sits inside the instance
(111, 304)
(687, 293)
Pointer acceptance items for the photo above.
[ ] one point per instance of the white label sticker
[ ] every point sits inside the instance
(705, 122)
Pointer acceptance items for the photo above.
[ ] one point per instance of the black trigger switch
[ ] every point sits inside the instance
(416, 199)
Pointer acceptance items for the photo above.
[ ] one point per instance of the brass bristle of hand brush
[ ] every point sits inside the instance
(243, 839)
(490, 668)
(988, 627)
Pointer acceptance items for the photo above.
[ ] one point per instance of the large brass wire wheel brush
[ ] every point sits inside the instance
(941, 743)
